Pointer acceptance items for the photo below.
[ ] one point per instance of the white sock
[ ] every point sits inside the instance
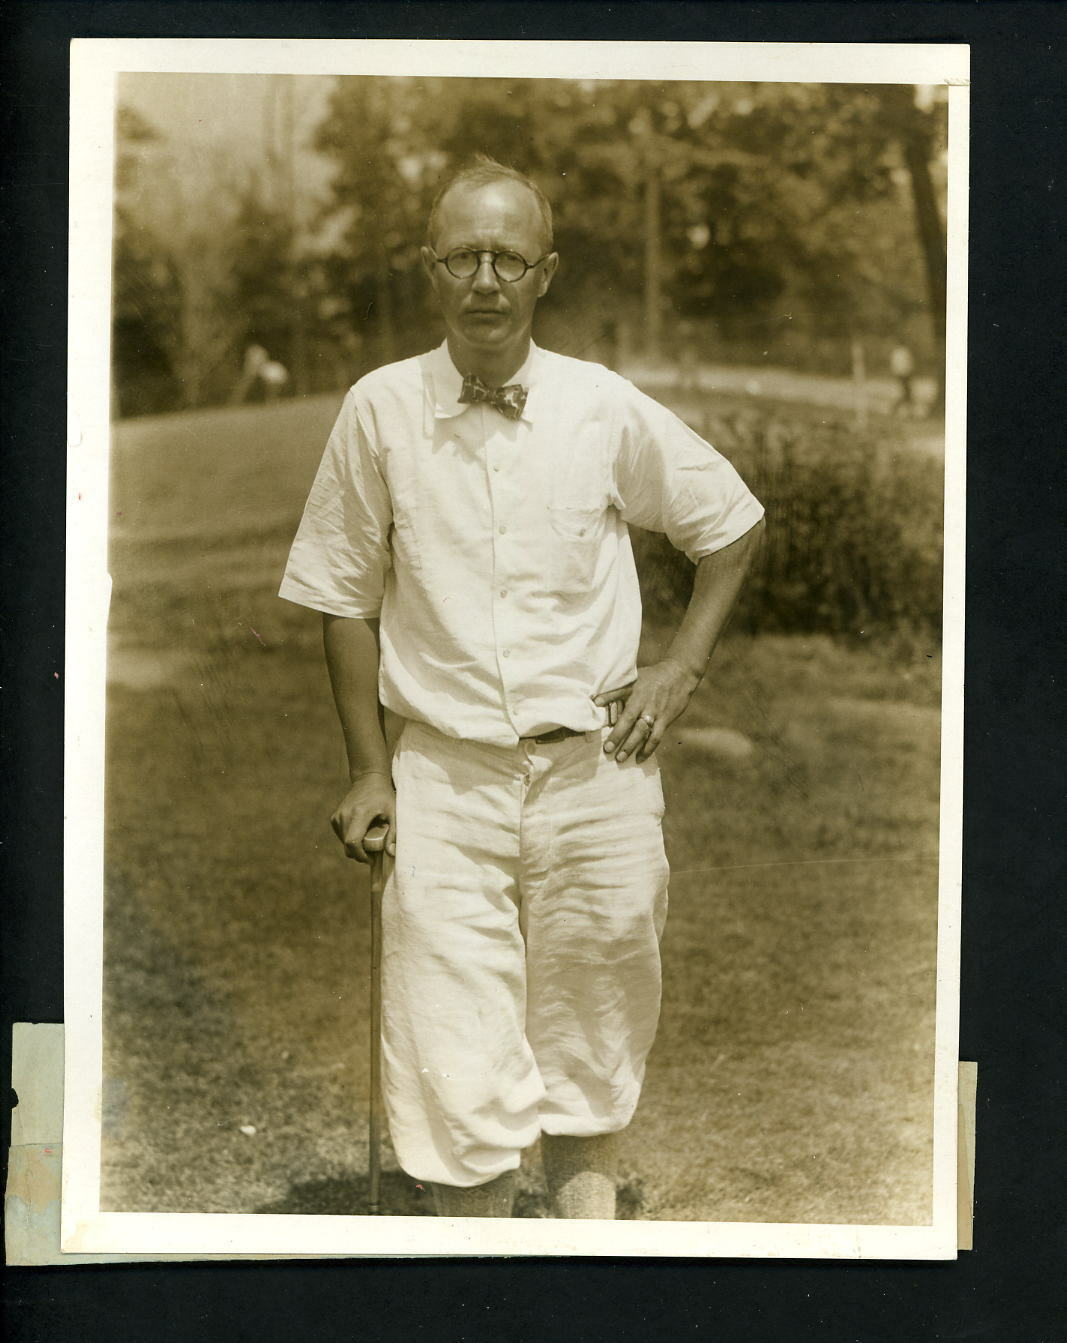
(482, 1200)
(580, 1173)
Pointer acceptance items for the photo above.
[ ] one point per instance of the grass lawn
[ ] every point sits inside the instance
(792, 1079)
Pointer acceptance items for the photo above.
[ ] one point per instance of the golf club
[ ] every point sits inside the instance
(374, 843)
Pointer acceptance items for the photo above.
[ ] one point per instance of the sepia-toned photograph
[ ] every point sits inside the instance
(522, 764)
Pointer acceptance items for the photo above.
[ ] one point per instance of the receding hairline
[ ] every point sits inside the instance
(485, 173)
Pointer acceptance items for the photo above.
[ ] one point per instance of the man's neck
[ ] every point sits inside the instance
(495, 370)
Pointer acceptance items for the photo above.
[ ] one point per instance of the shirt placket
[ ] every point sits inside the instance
(504, 505)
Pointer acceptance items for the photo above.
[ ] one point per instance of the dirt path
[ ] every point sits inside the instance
(783, 384)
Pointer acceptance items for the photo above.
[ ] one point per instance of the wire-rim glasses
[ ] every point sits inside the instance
(462, 263)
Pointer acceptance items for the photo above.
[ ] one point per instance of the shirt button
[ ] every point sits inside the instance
(506, 653)
(503, 529)
(503, 592)
(496, 467)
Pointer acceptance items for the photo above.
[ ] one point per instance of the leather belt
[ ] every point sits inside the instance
(556, 734)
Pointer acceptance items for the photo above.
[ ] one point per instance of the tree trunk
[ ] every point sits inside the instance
(386, 309)
(653, 267)
(298, 298)
(859, 383)
(931, 231)
(915, 146)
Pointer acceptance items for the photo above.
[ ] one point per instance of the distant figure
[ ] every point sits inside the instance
(255, 357)
(262, 377)
(273, 376)
(902, 367)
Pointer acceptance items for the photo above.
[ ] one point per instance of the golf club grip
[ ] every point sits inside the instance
(374, 839)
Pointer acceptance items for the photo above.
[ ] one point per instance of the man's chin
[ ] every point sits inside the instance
(485, 333)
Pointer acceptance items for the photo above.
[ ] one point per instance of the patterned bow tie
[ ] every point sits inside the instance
(509, 400)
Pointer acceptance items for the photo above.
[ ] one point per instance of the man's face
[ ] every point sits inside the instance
(487, 316)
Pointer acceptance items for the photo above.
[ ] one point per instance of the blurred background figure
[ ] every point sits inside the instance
(262, 378)
(255, 357)
(273, 377)
(902, 367)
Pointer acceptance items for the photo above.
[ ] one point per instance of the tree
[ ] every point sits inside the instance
(142, 378)
(746, 204)
(917, 132)
(804, 211)
(177, 327)
(377, 131)
(262, 283)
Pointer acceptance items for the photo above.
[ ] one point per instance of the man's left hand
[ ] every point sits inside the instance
(650, 704)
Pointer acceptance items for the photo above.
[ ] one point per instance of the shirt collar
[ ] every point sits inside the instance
(445, 382)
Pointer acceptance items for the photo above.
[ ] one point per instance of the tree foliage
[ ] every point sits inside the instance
(205, 264)
(142, 293)
(777, 201)
(781, 220)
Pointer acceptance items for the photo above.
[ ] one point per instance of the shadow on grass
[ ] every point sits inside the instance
(402, 1196)
(346, 1196)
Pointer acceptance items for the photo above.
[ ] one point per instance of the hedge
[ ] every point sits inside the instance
(853, 544)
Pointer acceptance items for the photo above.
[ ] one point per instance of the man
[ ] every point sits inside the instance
(466, 541)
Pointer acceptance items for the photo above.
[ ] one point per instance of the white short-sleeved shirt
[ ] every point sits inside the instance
(496, 551)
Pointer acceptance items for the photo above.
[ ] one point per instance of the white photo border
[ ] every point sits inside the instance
(95, 66)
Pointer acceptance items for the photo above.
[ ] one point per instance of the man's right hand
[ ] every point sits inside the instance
(371, 798)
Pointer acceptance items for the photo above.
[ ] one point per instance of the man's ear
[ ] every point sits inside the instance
(429, 264)
(547, 272)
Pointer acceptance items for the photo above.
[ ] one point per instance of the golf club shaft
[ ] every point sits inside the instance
(374, 843)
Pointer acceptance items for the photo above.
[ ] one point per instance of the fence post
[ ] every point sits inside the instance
(859, 384)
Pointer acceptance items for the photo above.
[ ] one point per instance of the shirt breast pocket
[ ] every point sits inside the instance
(576, 536)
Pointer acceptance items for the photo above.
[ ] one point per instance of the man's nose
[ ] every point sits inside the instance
(485, 277)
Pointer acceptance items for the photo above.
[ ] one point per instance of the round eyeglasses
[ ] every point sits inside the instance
(462, 263)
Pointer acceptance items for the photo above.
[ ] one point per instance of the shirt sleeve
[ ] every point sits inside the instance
(340, 557)
(668, 479)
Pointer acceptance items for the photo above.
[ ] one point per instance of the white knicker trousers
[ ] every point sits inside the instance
(521, 969)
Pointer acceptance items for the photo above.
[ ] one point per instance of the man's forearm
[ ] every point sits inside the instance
(717, 582)
(352, 652)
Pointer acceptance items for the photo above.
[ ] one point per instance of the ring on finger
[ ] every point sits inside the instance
(648, 720)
